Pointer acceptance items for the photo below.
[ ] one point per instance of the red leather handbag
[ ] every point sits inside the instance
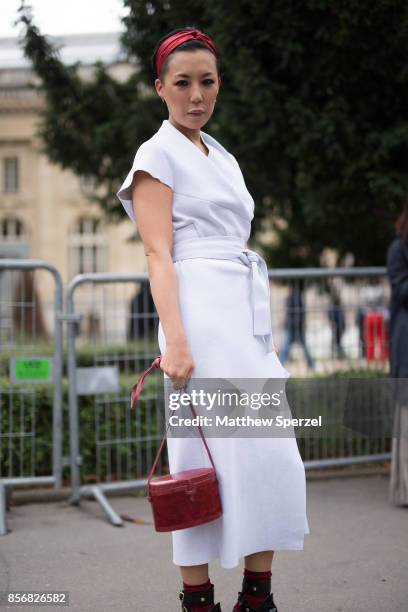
(185, 499)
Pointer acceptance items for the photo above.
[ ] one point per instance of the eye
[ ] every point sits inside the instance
(182, 82)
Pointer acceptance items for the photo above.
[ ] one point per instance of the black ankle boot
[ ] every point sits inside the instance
(255, 587)
(198, 598)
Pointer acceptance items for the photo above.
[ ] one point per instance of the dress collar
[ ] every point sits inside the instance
(169, 126)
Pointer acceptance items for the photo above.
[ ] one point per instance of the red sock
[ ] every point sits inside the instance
(254, 600)
(191, 588)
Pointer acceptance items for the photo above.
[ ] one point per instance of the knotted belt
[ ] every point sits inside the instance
(231, 247)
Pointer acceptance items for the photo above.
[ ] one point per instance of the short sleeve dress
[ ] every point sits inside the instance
(224, 301)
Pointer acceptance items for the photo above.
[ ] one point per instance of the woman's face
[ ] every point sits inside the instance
(191, 83)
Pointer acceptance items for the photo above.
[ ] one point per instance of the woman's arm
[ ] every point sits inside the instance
(152, 205)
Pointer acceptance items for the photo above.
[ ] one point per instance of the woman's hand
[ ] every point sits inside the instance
(177, 362)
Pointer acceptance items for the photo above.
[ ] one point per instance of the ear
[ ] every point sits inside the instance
(158, 86)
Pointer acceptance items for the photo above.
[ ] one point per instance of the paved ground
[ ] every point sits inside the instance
(355, 558)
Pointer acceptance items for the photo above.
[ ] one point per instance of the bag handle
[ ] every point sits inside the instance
(136, 389)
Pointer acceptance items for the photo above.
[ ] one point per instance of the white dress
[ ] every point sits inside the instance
(225, 311)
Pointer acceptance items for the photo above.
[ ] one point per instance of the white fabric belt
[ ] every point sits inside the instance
(231, 247)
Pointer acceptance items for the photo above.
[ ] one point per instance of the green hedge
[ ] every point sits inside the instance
(131, 458)
(24, 409)
(26, 454)
(356, 408)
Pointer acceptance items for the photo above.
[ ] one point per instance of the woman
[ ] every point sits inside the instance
(397, 267)
(193, 212)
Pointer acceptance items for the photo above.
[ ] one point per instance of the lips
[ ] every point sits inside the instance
(196, 113)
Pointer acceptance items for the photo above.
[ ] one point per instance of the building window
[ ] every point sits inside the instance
(12, 230)
(87, 181)
(10, 174)
(87, 247)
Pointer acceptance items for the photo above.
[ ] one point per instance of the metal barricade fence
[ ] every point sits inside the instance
(334, 322)
(324, 320)
(30, 357)
(340, 324)
(112, 332)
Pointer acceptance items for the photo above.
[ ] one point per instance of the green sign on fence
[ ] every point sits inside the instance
(31, 369)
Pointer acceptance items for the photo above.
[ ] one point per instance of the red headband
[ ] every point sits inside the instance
(173, 41)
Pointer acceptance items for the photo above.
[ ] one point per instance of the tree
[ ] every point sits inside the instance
(312, 104)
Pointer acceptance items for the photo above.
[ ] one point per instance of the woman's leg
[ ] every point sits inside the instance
(194, 574)
(256, 583)
(198, 591)
(260, 561)
(257, 562)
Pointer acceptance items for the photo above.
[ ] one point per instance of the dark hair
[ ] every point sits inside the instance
(401, 224)
(189, 45)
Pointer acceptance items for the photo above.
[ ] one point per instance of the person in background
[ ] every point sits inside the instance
(142, 321)
(335, 313)
(397, 270)
(295, 325)
(360, 317)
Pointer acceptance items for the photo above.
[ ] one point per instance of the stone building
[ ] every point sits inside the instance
(44, 211)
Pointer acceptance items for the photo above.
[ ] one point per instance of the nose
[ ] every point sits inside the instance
(196, 94)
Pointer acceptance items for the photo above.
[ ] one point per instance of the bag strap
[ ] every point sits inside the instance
(136, 389)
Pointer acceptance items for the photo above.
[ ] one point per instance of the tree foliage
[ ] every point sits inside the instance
(312, 104)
